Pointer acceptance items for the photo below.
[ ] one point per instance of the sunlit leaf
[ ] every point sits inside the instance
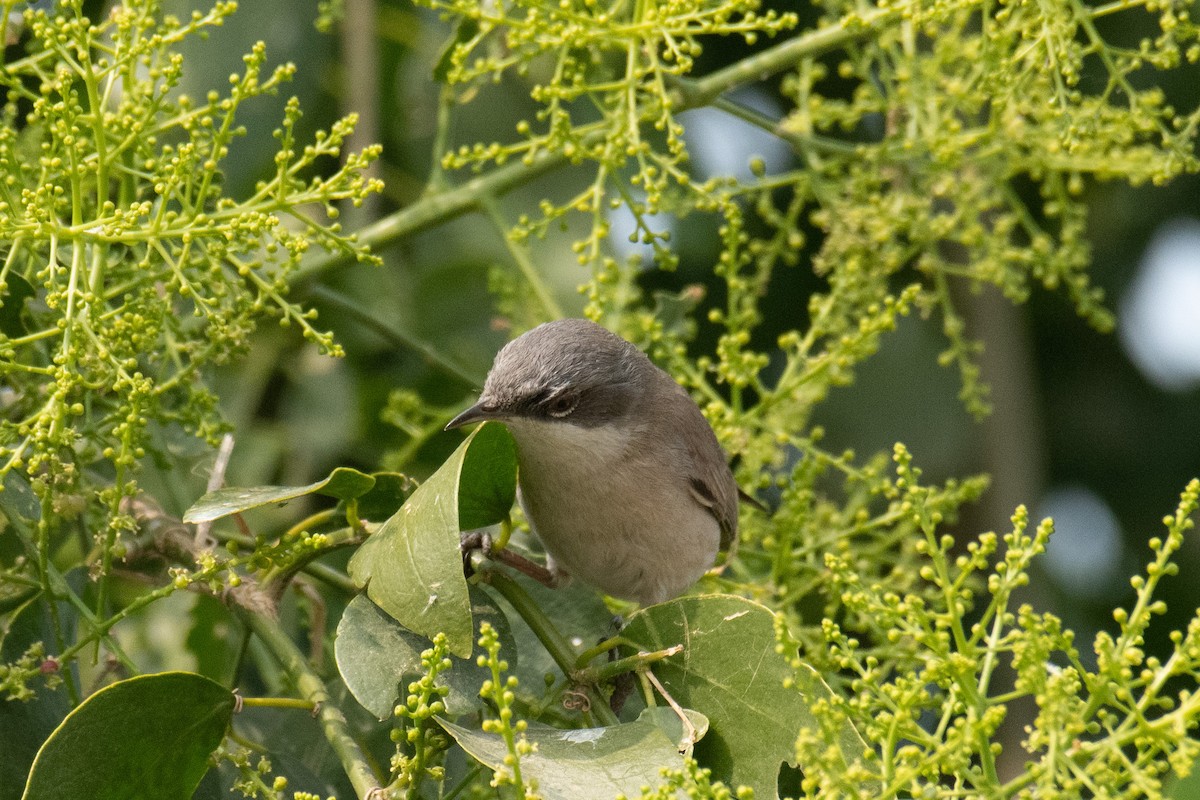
(412, 566)
(590, 763)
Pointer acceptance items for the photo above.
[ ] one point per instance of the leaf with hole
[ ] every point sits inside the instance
(729, 670)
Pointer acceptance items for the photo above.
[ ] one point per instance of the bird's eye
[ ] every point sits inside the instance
(561, 405)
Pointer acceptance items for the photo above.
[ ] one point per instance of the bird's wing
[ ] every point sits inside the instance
(704, 462)
(726, 517)
(713, 487)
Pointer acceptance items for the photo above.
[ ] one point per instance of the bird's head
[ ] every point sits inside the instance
(570, 371)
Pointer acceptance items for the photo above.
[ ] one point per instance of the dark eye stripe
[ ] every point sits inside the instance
(561, 405)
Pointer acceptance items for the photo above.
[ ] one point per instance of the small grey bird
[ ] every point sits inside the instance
(620, 475)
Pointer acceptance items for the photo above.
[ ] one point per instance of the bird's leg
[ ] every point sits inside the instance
(475, 540)
(482, 541)
(622, 687)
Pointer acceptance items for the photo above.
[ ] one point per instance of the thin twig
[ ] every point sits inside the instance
(395, 336)
(689, 730)
(520, 256)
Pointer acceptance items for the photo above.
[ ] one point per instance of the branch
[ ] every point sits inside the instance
(432, 210)
(703, 91)
(442, 206)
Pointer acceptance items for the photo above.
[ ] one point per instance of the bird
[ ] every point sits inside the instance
(619, 474)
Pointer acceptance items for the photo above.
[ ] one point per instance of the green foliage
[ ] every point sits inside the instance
(1112, 730)
(127, 273)
(913, 177)
(859, 635)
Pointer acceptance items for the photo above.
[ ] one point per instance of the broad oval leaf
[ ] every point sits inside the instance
(147, 738)
(729, 669)
(375, 655)
(343, 483)
(590, 763)
(412, 566)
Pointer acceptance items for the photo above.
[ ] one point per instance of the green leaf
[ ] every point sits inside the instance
(147, 737)
(376, 654)
(588, 763)
(488, 483)
(729, 670)
(386, 496)
(343, 483)
(412, 566)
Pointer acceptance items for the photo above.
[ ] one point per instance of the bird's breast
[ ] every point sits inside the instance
(610, 507)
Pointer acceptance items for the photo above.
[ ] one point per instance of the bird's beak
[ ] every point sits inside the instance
(476, 413)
